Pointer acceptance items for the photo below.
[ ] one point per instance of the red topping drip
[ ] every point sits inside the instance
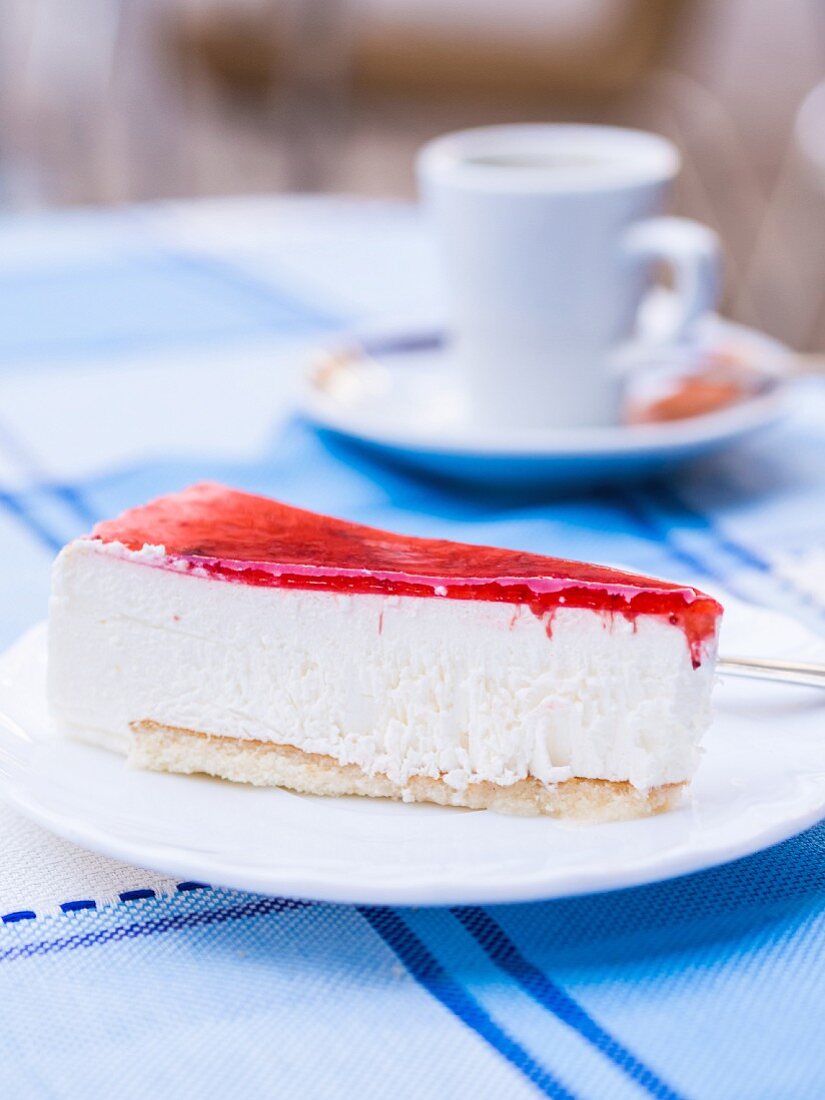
(249, 539)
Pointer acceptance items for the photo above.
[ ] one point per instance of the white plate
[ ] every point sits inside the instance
(762, 780)
(396, 395)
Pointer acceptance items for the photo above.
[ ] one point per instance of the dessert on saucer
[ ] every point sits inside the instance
(213, 631)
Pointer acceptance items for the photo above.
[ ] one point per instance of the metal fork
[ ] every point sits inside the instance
(789, 672)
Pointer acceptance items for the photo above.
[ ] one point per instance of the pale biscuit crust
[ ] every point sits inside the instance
(263, 764)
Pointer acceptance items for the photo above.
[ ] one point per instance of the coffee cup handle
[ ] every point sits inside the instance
(694, 254)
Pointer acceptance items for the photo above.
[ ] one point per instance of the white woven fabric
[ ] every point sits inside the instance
(41, 872)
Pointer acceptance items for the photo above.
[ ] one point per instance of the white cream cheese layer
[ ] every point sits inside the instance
(403, 686)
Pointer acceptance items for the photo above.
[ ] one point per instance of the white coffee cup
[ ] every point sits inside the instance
(548, 235)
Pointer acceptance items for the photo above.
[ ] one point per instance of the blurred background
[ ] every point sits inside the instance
(113, 101)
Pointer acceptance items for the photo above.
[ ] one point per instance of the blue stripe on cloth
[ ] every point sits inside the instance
(694, 538)
(152, 927)
(671, 502)
(653, 527)
(70, 496)
(434, 978)
(17, 508)
(74, 500)
(504, 953)
(137, 895)
(122, 306)
(274, 301)
(76, 906)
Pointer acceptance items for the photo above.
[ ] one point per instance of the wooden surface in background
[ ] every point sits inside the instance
(208, 107)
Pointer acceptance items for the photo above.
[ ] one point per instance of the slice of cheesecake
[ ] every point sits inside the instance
(215, 631)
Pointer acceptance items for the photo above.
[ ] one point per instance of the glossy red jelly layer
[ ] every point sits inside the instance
(235, 536)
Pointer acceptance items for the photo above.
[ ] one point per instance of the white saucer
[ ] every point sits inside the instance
(762, 780)
(397, 396)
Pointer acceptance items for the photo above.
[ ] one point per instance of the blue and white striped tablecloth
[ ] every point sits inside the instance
(143, 349)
